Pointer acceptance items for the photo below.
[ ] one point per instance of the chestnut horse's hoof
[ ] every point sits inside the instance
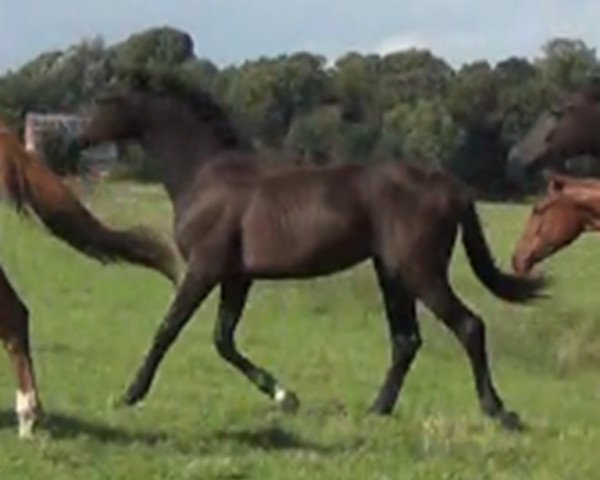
(29, 413)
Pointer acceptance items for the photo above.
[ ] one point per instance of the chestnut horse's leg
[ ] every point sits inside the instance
(14, 332)
(233, 298)
(404, 336)
(192, 291)
(470, 331)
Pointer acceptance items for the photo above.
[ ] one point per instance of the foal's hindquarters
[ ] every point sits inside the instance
(14, 332)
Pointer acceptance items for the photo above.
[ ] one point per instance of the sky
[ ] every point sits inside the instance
(231, 31)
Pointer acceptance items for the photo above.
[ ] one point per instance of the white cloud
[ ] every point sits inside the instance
(402, 41)
(455, 47)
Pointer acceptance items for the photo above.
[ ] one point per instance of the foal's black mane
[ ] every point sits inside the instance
(201, 103)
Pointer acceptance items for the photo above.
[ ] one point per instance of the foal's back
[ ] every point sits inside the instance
(307, 221)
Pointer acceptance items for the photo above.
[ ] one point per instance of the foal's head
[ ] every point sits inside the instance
(164, 105)
(114, 117)
(555, 222)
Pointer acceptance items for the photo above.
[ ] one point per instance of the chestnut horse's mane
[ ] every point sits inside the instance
(29, 185)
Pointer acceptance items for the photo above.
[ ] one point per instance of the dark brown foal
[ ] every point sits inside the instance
(238, 220)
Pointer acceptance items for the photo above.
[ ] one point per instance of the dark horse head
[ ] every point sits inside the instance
(169, 118)
(559, 134)
(144, 102)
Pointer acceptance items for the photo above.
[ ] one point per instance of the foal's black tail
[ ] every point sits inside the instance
(504, 285)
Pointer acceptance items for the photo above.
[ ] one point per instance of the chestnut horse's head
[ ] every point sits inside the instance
(554, 223)
(559, 134)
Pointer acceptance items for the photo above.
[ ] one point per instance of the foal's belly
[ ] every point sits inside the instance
(298, 262)
(303, 247)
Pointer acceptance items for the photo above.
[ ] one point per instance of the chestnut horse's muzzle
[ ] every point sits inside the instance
(522, 264)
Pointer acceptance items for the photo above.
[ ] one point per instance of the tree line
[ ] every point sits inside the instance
(409, 105)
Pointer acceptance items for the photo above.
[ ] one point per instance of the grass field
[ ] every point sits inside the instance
(91, 326)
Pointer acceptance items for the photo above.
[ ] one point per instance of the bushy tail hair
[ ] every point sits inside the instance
(30, 185)
(506, 286)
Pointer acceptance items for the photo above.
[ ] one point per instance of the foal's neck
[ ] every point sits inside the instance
(179, 147)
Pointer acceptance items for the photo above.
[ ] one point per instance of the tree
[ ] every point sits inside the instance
(473, 94)
(314, 136)
(355, 80)
(202, 73)
(567, 63)
(425, 134)
(156, 46)
(268, 94)
(408, 105)
(412, 75)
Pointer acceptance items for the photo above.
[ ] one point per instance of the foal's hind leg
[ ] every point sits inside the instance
(470, 331)
(404, 336)
(233, 298)
(14, 332)
(193, 290)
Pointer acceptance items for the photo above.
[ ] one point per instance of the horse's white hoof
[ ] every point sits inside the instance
(27, 407)
(287, 401)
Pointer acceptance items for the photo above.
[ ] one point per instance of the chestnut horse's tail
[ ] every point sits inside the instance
(504, 285)
(27, 182)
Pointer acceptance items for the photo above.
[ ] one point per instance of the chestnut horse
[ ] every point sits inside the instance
(30, 186)
(238, 219)
(571, 207)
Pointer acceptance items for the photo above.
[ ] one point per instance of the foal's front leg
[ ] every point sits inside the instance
(233, 298)
(196, 285)
(405, 337)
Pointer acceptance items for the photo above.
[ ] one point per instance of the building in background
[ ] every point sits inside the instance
(96, 161)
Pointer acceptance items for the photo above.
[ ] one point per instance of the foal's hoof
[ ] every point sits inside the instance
(130, 399)
(510, 421)
(287, 401)
(380, 409)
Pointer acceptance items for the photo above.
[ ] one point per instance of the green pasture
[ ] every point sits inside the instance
(324, 339)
